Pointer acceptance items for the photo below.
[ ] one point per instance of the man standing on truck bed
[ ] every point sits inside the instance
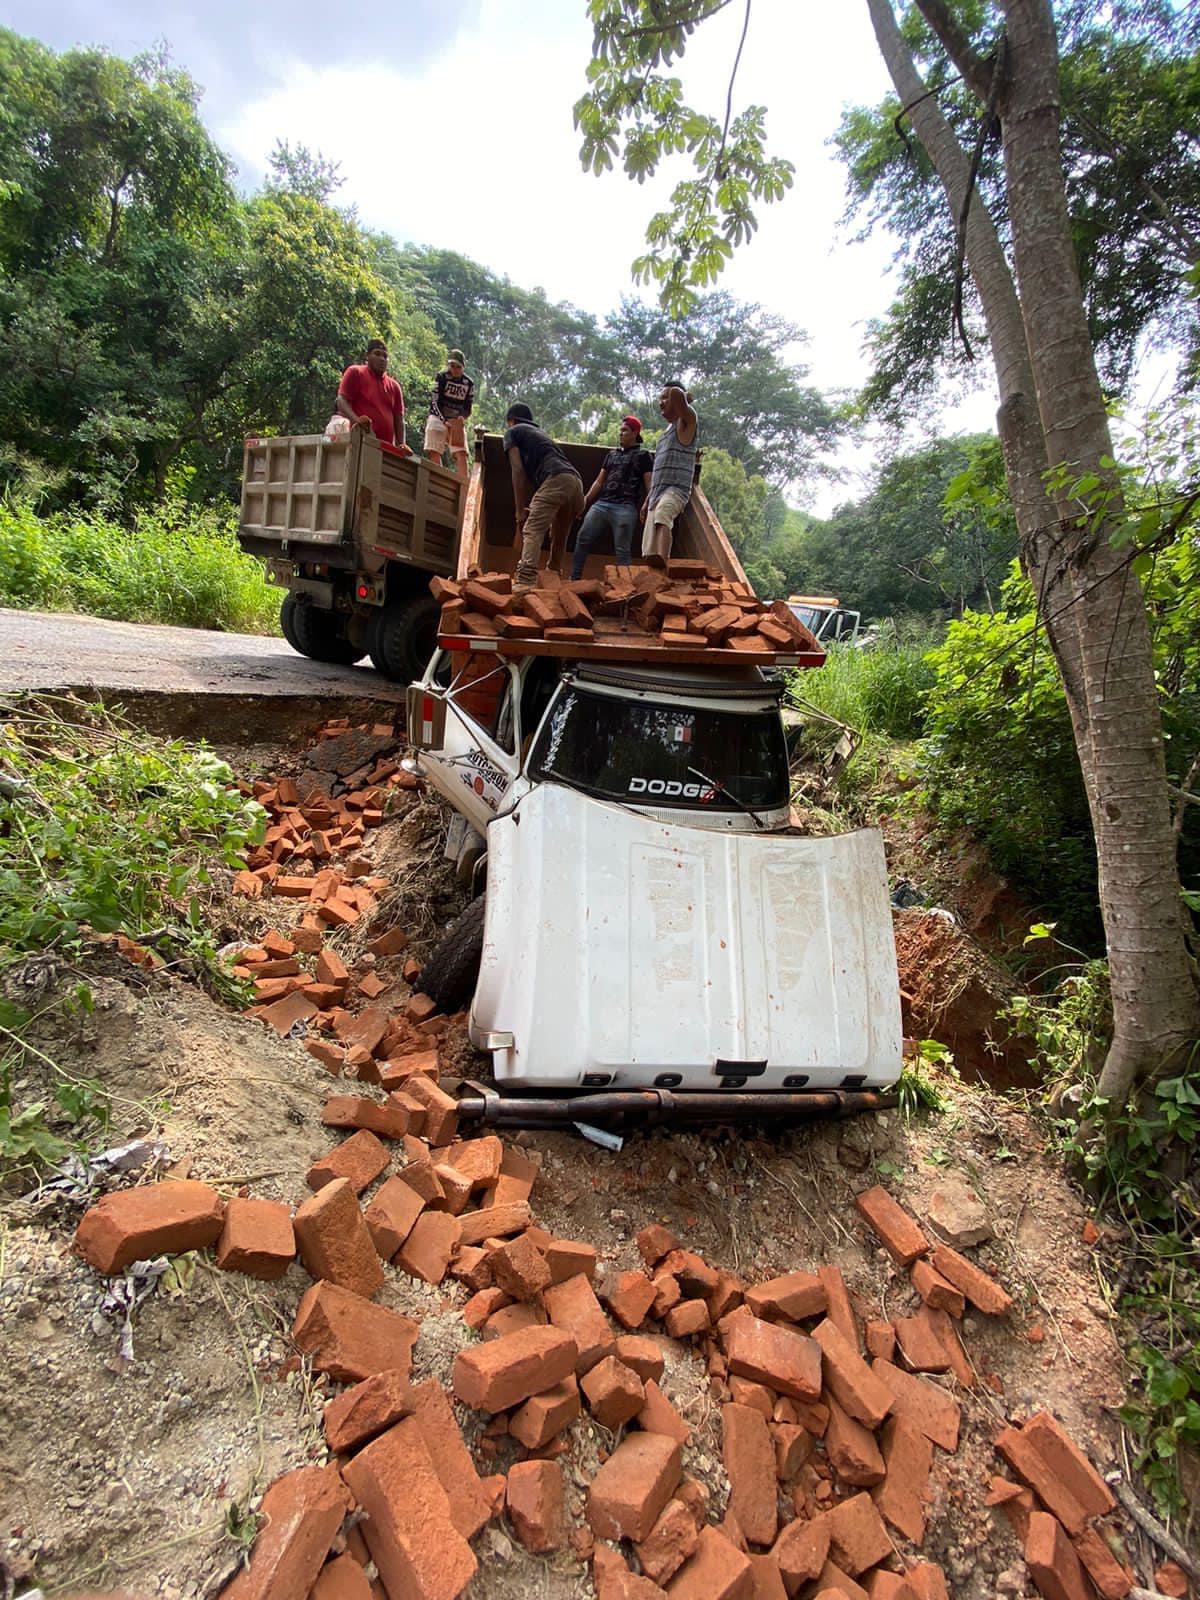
(674, 470)
(449, 407)
(613, 502)
(547, 490)
(368, 398)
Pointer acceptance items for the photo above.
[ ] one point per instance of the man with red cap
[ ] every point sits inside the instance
(614, 501)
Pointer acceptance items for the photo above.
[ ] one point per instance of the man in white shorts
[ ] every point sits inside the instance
(449, 407)
(674, 471)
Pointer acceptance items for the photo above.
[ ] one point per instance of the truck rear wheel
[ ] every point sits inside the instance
(316, 634)
(402, 637)
(450, 974)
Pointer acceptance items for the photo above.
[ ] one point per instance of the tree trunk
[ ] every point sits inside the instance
(1051, 411)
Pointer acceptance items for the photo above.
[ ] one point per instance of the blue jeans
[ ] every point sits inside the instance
(607, 516)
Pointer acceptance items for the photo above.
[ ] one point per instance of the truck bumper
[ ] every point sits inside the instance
(481, 1105)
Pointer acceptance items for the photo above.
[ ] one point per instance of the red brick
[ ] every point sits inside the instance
(1017, 1504)
(441, 1110)
(884, 1585)
(331, 1056)
(360, 1413)
(572, 1306)
(669, 1543)
(512, 1317)
(834, 1584)
(928, 1581)
(716, 1571)
(334, 1243)
(469, 1506)
(1057, 1471)
(726, 1297)
(570, 1258)
(1170, 1579)
(696, 1278)
(390, 1215)
(614, 1392)
(921, 1343)
(796, 1296)
(667, 1294)
(534, 1502)
(857, 1536)
(984, 1293)
(654, 1242)
(158, 1219)
(409, 1528)
(1051, 1560)
(926, 1405)
(658, 1415)
(688, 1318)
(497, 1376)
(341, 1579)
(935, 1290)
(1112, 1579)
(456, 1189)
(483, 1304)
(302, 1513)
(518, 1174)
(519, 1267)
(628, 1494)
(477, 1159)
(768, 1580)
(848, 1377)
(841, 1311)
(257, 1239)
(423, 1180)
(388, 1118)
(471, 1266)
(283, 1015)
(756, 1395)
(908, 1461)
(359, 1159)
(749, 1456)
(432, 1240)
(544, 1415)
(331, 969)
(777, 1356)
(851, 1449)
(793, 1447)
(880, 1340)
(629, 1296)
(614, 1581)
(899, 1233)
(802, 1550)
(495, 1222)
(348, 1337)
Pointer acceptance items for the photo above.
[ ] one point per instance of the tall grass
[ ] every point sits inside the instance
(877, 690)
(176, 563)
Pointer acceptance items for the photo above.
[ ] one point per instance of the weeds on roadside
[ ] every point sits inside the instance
(916, 1089)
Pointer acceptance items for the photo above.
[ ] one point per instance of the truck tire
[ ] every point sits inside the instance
(402, 637)
(315, 633)
(450, 974)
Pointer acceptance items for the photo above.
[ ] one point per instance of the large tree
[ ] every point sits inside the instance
(1053, 422)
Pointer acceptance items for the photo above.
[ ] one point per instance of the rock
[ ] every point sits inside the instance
(956, 1213)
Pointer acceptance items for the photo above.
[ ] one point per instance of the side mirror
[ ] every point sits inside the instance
(426, 717)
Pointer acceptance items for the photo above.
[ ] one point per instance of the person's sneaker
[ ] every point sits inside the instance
(523, 588)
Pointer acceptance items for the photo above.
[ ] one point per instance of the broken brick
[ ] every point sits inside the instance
(884, 1585)
(517, 1176)
(168, 1218)
(748, 1453)
(669, 1543)
(848, 1377)
(840, 1310)
(283, 1015)
(423, 1180)
(1016, 1502)
(544, 1415)
(695, 1277)
(628, 1494)
(359, 1159)
(834, 1584)
(928, 1581)
(768, 1580)
(570, 1258)
(984, 1293)
(572, 1307)
(495, 1222)
(477, 1159)
(658, 1415)
(499, 1375)
(331, 1056)
(716, 1570)
(348, 1337)
(937, 1414)
(1057, 1471)
(519, 1267)
(743, 1392)
(908, 1461)
(802, 1550)
(390, 1215)
(257, 1239)
(688, 1318)
(851, 1449)
(302, 1512)
(333, 1241)
(469, 1507)
(389, 1119)
(341, 1579)
(534, 1503)
(362, 1412)
(512, 1317)
(793, 1447)
(937, 1291)
(795, 1296)
(654, 1242)
(432, 1240)
(441, 1110)
(1051, 1560)
(629, 1296)
(880, 1340)
(899, 1233)
(614, 1392)
(456, 1189)
(1113, 1580)
(857, 1536)
(784, 1360)
(614, 1581)
(921, 1342)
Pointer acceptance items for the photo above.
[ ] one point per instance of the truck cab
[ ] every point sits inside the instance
(826, 618)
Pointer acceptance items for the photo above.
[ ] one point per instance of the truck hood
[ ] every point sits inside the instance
(621, 947)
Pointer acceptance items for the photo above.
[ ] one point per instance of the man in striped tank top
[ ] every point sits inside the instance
(674, 470)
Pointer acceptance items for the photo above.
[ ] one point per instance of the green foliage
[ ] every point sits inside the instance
(882, 689)
(917, 1087)
(175, 563)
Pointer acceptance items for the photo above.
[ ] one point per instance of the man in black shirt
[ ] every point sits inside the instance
(615, 499)
(449, 407)
(547, 490)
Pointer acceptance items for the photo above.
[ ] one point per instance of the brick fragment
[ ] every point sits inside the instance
(341, 1579)
(857, 1536)
(629, 1492)
(768, 1580)
(756, 1395)
(928, 1581)
(569, 1258)
(333, 1241)
(519, 1267)
(687, 1319)
(544, 1415)
(769, 1353)
(302, 1513)
(795, 1296)
(880, 1340)
(927, 1406)
(851, 1449)
(937, 1291)
(921, 1343)
(908, 1461)
(654, 1242)
(572, 1307)
(1051, 1560)
(885, 1585)
(168, 1218)
(362, 1412)
(483, 1304)
(849, 1379)
(695, 1277)
(834, 1584)
(629, 1296)
(257, 1239)
(802, 1550)
(470, 1509)
(518, 1173)
(614, 1392)
(499, 1375)
(432, 1240)
(1113, 1580)
(388, 1119)
(390, 1215)
(477, 1159)
(793, 1447)
(350, 1338)
(409, 1527)
(422, 1179)
(899, 1233)
(510, 1318)
(614, 1581)
(1016, 1503)
(441, 1110)
(984, 1293)
(1171, 1579)
(534, 1502)
(1057, 1471)
(283, 1015)
(359, 1159)
(331, 1056)
(717, 1570)
(748, 1453)
(658, 1415)
(669, 1543)
(840, 1310)
(495, 1222)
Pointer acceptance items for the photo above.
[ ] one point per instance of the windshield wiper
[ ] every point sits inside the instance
(729, 795)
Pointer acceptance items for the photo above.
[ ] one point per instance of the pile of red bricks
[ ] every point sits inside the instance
(687, 607)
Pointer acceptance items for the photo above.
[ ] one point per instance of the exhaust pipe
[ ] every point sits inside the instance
(481, 1104)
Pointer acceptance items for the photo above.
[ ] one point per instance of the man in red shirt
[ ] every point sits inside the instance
(368, 398)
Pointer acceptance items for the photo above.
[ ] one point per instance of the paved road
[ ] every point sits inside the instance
(59, 650)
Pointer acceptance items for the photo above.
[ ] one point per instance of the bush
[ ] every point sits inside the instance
(876, 690)
(176, 563)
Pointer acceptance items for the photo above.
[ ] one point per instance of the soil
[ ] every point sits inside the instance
(137, 1473)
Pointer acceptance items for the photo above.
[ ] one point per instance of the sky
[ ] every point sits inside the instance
(451, 122)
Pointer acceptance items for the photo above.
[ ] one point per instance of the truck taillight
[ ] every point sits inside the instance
(364, 591)
(427, 719)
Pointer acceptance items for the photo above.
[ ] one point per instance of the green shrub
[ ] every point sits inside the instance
(176, 563)
(881, 689)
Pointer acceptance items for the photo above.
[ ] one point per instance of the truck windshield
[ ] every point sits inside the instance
(645, 754)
